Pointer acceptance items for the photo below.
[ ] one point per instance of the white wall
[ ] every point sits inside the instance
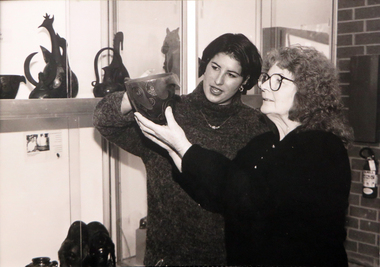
(34, 200)
(144, 25)
(215, 18)
(310, 15)
(297, 14)
(41, 194)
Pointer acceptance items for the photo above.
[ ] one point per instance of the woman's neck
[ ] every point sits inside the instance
(284, 125)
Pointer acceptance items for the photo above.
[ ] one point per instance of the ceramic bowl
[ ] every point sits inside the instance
(151, 95)
(9, 85)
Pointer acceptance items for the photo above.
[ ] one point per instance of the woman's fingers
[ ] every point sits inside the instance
(150, 134)
(151, 128)
(142, 126)
(157, 141)
(172, 135)
(146, 122)
(169, 116)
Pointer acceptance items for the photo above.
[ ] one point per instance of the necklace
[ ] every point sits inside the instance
(212, 126)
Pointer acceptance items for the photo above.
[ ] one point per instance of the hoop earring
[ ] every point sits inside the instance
(241, 88)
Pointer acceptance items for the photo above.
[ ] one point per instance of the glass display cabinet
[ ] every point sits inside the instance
(268, 24)
(52, 161)
(80, 176)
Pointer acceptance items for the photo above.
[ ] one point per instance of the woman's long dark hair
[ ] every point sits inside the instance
(317, 102)
(239, 47)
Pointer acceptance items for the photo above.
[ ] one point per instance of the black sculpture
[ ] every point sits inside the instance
(74, 251)
(102, 249)
(42, 262)
(87, 245)
(9, 85)
(114, 74)
(57, 79)
(171, 48)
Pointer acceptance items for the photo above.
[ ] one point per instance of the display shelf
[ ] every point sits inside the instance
(79, 112)
(10, 108)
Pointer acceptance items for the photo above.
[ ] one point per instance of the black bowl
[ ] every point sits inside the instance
(9, 85)
(151, 95)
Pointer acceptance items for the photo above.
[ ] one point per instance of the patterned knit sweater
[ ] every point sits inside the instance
(179, 231)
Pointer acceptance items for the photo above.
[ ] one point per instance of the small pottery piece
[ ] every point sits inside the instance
(9, 85)
(42, 262)
(102, 249)
(151, 95)
(87, 245)
(74, 251)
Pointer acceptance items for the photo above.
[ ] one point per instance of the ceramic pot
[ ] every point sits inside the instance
(9, 85)
(42, 262)
(151, 95)
(114, 74)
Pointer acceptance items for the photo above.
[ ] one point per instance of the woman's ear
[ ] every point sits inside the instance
(246, 79)
(201, 67)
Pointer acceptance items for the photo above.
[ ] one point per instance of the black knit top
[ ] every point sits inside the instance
(284, 202)
(179, 231)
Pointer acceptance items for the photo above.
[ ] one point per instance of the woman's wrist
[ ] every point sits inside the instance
(125, 104)
(185, 145)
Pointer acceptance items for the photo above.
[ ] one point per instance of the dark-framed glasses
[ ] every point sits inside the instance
(275, 80)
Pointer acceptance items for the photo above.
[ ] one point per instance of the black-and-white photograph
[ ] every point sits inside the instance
(189, 133)
(37, 142)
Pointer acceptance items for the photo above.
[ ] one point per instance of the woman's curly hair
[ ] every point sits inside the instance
(317, 102)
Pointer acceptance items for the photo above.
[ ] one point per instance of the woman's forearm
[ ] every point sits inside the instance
(176, 159)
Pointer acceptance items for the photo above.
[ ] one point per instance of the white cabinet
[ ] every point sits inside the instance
(51, 174)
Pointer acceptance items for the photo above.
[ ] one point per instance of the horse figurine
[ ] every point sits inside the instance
(102, 249)
(114, 74)
(171, 50)
(75, 250)
(57, 80)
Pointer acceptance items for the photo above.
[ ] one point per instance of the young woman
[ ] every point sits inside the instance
(179, 231)
(285, 195)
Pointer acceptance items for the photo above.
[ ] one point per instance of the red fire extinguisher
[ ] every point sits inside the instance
(370, 173)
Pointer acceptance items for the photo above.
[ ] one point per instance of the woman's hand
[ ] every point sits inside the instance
(170, 137)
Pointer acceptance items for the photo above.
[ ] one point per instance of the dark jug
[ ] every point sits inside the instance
(114, 74)
(9, 85)
(42, 262)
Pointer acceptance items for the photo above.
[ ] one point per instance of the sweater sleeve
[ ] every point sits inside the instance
(120, 129)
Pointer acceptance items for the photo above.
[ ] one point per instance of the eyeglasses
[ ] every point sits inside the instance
(275, 80)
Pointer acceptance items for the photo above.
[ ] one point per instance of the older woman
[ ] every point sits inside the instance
(285, 194)
(179, 231)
